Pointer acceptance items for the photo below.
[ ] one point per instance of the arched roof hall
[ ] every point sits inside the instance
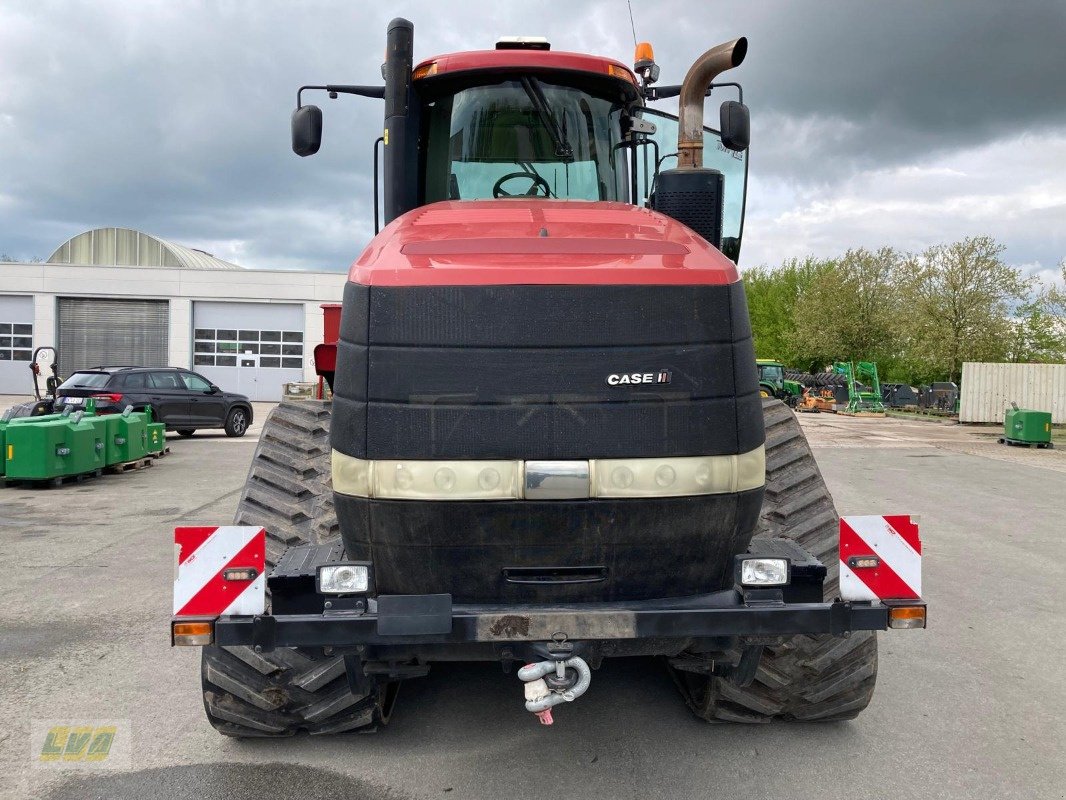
(109, 247)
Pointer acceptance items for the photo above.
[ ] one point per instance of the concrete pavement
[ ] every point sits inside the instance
(970, 708)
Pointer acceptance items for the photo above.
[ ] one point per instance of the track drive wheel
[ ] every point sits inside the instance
(809, 678)
(279, 693)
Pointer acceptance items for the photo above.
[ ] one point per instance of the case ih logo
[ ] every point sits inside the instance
(629, 378)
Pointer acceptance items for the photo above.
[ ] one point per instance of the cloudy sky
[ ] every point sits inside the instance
(903, 122)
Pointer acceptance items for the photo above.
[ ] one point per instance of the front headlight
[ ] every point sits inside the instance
(350, 578)
(764, 572)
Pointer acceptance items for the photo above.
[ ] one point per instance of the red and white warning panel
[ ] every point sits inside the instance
(880, 558)
(219, 571)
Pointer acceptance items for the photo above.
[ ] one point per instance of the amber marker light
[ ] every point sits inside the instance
(425, 71)
(191, 634)
(906, 617)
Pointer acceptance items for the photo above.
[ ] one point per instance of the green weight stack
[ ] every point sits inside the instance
(1023, 426)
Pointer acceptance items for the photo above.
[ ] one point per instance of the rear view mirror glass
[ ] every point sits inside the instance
(735, 126)
(306, 130)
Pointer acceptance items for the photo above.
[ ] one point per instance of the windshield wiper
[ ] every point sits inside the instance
(563, 149)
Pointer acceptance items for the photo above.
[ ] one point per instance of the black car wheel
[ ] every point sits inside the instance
(237, 422)
(186, 431)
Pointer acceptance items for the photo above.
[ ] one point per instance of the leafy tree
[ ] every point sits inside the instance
(1039, 326)
(958, 300)
(850, 313)
(772, 296)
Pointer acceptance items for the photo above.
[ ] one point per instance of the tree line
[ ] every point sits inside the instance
(918, 315)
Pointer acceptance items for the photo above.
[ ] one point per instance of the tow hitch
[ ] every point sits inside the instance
(549, 683)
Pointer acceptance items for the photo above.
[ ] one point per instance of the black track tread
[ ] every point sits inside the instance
(279, 693)
(242, 701)
(288, 490)
(810, 678)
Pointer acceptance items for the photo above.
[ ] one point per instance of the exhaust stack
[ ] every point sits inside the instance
(693, 91)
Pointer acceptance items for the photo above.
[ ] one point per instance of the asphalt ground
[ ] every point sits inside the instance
(970, 708)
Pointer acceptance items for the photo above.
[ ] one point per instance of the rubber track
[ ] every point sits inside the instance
(288, 492)
(812, 678)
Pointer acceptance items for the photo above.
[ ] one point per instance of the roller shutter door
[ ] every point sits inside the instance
(95, 332)
(250, 348)
(16, 344)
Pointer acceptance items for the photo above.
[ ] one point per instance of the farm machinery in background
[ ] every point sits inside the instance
(774, 383)
(846, 387)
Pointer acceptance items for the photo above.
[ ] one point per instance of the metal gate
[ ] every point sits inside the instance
(94, 332)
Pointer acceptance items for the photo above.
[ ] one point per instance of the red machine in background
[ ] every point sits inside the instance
(326, 353)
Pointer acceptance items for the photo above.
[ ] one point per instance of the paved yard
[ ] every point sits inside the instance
(971, 708)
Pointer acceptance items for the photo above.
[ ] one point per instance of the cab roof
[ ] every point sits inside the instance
(527, 59)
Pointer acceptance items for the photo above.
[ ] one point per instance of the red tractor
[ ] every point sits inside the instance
(546, 444)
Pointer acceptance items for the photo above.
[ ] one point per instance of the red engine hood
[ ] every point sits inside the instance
(494, 242)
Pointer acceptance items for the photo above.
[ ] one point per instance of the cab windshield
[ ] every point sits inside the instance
(772, 372)
(525, 137)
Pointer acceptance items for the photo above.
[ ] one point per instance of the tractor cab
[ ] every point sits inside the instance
(525, 122)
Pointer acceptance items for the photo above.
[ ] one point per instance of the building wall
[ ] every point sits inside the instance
(988, 389)
(181, 287)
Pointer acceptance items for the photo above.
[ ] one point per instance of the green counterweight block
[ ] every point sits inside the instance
(39, 450)
(80, 439)
(157, 437)
(99, 425)
(3, 446)
(1025, 426)
(130, 436)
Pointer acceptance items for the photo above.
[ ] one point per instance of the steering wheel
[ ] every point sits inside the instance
(497, 188)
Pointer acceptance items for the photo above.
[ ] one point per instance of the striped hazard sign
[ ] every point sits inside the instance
(880, 558)
(219, 571)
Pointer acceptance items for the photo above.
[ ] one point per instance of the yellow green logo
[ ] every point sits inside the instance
(84, 743)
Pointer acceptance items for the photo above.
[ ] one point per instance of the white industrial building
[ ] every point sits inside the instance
(114, 296)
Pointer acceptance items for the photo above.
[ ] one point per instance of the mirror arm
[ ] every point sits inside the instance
(663, 92)
(335, 89)
(737, 86)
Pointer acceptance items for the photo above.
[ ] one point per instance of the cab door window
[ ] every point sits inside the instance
(732, 165)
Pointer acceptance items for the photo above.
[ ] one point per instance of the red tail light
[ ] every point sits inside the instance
(114, 397)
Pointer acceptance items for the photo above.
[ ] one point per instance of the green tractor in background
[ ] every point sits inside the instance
(772, 382)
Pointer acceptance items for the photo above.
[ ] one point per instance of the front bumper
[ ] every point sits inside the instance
(433, 619)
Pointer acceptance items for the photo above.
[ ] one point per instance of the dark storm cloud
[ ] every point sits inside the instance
(173, 117)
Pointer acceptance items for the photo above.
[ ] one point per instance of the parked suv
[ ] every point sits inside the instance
(182, 399)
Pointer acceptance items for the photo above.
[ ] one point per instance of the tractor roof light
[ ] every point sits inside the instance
(644, 63)
(523, 43)
(424, 71)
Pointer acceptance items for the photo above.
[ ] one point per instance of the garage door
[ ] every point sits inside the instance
(95, 332)
(16, 344)
(250, 348)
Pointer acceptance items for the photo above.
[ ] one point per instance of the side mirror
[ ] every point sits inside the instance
(735, 126)
(213, 390)
(306, 130)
